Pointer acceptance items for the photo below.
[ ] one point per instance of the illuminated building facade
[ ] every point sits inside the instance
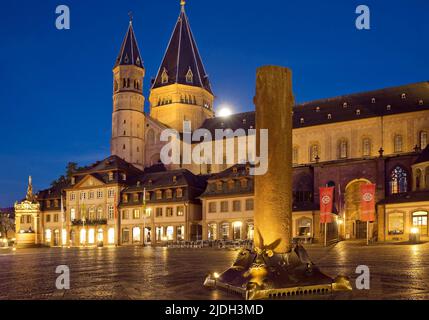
(378, 136)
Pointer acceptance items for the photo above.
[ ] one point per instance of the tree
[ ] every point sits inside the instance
(71, 168)
(7, 224)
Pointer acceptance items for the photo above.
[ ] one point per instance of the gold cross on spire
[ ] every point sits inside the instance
(182, 3)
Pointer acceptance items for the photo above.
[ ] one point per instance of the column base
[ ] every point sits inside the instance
(261, 274)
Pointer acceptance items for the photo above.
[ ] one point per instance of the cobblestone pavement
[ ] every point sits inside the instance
(398, 271)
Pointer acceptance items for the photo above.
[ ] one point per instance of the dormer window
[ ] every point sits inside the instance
(421, 102)
(373, 100)
(329, 116)
(302, 120)
(124, 177)
(345, 105)
(164, 76)
(169, 194)
(110, 176)
(138, 183)
(150, 181)
(318, 109)
(231, 184)
(136, 197)
(158, 194)
(189, 76)
(234, 170)
(179, 193)
(358, 112)
(403, 96)
(174, 179)
(388, 107)
(73, 181)
(244, 121)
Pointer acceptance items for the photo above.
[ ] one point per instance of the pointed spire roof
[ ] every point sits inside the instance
(130, 53)
(182, 62)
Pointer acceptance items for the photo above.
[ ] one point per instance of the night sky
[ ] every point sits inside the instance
(56, 86)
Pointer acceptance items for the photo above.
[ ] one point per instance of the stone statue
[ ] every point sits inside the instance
(30, 195)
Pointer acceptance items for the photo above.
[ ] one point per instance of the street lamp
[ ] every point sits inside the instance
(83, 224)
(415, 235)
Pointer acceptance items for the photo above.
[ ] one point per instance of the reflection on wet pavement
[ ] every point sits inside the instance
(397, 271)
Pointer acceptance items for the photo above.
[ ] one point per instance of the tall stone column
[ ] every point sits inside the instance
(273, 191)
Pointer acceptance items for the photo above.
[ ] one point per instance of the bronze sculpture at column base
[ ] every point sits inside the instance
(261, 274)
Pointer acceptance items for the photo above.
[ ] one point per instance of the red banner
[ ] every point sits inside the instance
(367, 202)
(326, 204)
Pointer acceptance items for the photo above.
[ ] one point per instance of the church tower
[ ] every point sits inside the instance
(181, 90)
(128, 103)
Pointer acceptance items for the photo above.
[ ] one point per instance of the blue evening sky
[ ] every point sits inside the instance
(56, 86)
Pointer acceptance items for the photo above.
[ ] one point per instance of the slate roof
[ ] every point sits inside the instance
(424, 156)
(129, 53)
(8, 211)
(51, 193)
(112, 163)
(192, 186)
(165, 179)
(376, 103)
(181, 56)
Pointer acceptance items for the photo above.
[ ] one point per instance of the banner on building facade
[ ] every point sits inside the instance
(326, 204)
(367, 202)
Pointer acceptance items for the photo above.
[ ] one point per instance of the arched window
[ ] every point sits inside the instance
(314, 152)
(366, 147)
(420, 221)
(398, 180)
(398, 143)
(151, 137)
(343, 148)
(423, 139)
(295, 155)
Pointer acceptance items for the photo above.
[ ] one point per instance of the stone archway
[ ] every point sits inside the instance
(355, 229)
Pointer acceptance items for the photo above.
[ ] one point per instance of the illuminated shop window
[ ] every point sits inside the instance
(395, 223)
(420, 221)
(91, 236)
(111, 236)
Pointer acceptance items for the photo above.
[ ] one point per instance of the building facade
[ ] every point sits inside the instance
(378, 137)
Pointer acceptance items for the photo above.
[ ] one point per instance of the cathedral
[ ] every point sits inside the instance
(132, 198)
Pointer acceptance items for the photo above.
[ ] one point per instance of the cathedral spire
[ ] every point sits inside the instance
(182, 63)
(129, 53)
